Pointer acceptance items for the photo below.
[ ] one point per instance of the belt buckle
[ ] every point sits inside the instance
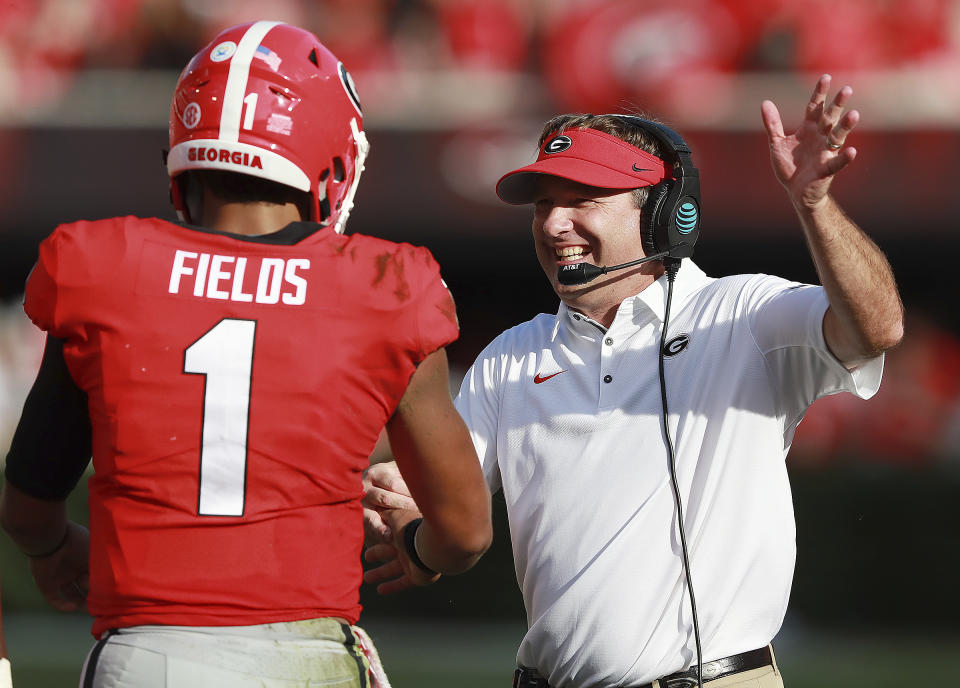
(525, 677)
(682, 679)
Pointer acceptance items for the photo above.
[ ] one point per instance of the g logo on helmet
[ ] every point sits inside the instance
(349, 87)
(557, 145)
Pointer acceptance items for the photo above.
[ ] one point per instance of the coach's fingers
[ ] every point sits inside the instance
(374, 528)
(818, 98)
(844, 158)
(387, 572)
(837, 135)
(385, 475)
(389, 578)
(772, 122)
(379, 498)
(380, 553)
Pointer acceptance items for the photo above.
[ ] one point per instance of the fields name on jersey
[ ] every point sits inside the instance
(222, 277)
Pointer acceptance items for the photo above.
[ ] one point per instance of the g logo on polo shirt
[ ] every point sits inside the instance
(676, 345)
(558, 145)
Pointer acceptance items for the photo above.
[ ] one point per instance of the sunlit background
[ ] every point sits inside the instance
(454, 93)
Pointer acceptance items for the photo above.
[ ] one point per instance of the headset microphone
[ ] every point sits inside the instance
(581, 273)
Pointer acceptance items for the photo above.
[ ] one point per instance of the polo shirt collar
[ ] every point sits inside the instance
(653, 299)
(689, 279)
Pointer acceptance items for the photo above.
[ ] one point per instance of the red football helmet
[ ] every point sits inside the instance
(269, 100)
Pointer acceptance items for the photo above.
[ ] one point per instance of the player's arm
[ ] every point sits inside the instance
(865, 316)
(49, 452)
(435, 454)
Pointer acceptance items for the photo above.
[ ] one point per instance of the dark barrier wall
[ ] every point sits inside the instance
(876, 551)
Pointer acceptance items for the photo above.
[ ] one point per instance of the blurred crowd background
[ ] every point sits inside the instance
(454, 93)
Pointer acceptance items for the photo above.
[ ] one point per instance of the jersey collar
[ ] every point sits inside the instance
(290, 235)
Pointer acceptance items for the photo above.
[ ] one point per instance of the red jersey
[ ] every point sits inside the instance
(236, 388)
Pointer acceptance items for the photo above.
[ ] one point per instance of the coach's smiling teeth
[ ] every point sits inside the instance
(570, 252)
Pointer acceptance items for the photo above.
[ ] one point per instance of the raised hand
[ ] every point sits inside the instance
(806, 160)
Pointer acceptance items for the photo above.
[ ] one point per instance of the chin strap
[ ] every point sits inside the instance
(363, 149)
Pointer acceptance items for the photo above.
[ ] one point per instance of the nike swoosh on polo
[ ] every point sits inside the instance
(641, 169)
(537, 379)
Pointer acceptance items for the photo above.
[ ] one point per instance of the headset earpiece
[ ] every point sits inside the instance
(649, 217)
(671, 216)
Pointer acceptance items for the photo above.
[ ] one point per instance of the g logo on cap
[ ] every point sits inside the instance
(558, 144)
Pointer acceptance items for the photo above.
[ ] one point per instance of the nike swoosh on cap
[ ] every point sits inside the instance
(641, 169)
(537, 379)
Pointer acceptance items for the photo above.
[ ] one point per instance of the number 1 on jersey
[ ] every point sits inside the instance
(224, 356)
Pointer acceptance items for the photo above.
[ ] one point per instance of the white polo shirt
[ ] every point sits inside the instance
(566, 418)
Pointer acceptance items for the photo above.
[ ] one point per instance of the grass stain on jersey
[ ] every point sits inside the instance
(392, 263)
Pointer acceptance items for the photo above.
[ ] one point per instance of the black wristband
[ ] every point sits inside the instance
(409, 543)
(63, 541)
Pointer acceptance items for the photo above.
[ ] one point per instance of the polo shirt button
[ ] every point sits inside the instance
(576, 317)
(608, 341)
(608, 378)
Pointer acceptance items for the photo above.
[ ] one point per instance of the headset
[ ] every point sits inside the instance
(670, 226)
(671, 216)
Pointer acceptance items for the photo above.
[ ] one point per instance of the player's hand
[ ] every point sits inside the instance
(397, 520)
(384, 488)
(806, 161)
(389, 576)
(63, 577)
(396, 571)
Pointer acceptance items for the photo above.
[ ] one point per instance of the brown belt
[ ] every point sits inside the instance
(718, 668)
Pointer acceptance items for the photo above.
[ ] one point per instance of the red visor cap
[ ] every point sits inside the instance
(586, 156)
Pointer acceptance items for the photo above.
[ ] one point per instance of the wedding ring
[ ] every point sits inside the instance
(834, 146)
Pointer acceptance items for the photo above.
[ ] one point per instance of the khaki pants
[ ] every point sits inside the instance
(764, 677)
(279, 655)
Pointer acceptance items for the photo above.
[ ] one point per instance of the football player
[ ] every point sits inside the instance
(230, 375)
